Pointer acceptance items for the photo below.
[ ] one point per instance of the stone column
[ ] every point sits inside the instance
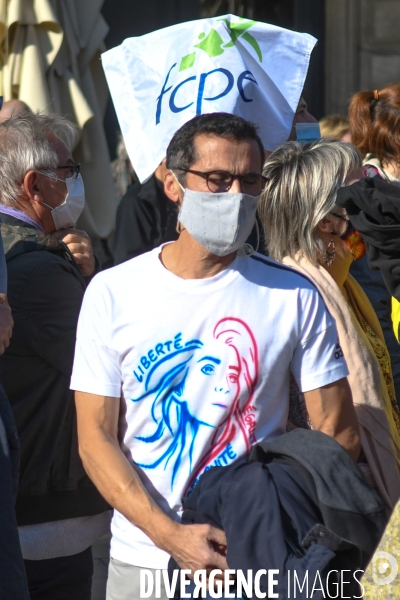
(342, 63)
(362, 48)
(380, 43)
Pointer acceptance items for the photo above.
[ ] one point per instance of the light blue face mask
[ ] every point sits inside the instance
(220, 222)
(307, 132)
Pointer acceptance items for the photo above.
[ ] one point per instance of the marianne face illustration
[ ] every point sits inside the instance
(203, 386)
(212, 374)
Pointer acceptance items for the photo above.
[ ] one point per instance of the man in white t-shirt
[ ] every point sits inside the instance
(184, 354)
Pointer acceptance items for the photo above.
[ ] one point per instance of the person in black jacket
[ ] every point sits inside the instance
(59, 511)
(12, 573)
(146, 218)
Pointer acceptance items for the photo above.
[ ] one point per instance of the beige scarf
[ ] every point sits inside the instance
(379, 437)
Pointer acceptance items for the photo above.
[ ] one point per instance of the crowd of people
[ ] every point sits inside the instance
(238, 365)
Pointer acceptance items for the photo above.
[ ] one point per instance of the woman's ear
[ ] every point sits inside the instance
(326, 225)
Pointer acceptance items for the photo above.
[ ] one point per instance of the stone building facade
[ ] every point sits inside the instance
(362, 48)
(358, 43)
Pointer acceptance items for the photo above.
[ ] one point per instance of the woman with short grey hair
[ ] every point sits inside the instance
(306, 231)
(301, 192)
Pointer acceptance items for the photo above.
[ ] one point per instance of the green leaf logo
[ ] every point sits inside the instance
(187, 61)
(239, 29)
(213, 44)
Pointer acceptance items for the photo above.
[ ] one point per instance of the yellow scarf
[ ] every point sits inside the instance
(380, 438)
(369, 322)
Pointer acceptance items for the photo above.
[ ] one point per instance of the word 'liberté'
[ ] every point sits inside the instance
(235, 584)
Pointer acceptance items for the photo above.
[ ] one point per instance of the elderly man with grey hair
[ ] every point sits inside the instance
(59, 511)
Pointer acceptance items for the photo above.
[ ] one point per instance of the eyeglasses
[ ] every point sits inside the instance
(221, 181)
(75, 169)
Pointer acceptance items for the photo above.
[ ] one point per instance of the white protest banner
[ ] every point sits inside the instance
(161, 80)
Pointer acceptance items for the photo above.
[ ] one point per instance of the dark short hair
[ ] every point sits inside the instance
(181, 150)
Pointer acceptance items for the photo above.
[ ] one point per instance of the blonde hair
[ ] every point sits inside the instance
(301, 191)
(334, 127)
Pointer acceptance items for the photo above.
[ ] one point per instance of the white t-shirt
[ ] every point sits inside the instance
(201, 367)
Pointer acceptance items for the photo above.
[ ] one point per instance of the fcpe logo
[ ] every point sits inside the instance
(194, 88)
(214, 45)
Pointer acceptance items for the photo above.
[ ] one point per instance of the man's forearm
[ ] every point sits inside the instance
(331, 411)
(348, 438)
(192, 546)
(120, 484)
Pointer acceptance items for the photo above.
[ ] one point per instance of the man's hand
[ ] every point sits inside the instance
(80, 246)
(197, 547)
(6, 323)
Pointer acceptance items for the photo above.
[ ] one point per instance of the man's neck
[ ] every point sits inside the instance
(26, 207)
(187, 259)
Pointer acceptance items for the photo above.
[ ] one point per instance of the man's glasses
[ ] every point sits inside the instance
(74, 169)
(221, 181)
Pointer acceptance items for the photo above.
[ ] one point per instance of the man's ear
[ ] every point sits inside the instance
(32, 187)
(172, 188)
(326, 225)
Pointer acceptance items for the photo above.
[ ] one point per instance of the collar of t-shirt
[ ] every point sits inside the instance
(218, 281)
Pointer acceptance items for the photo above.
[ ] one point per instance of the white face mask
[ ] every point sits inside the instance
(70, 210)
(220, 222)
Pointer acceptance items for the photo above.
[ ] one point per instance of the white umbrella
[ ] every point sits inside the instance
(50, 59)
